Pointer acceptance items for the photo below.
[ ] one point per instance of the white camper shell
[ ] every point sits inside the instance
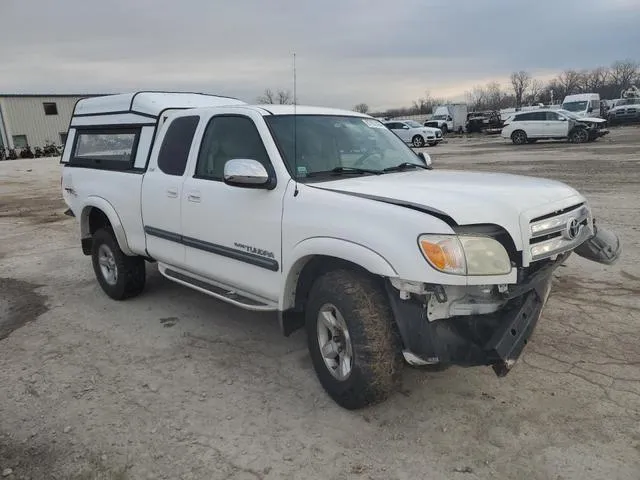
(124, 126)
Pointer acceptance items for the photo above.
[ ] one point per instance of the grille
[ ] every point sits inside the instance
(559, 231)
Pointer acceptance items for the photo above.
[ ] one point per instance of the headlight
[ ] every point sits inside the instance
(465, 255)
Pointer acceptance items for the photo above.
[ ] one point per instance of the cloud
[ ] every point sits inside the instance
(383, 53)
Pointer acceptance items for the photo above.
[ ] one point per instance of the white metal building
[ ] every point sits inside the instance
(35, 120)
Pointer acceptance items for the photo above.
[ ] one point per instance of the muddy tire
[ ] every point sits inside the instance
(519, 137)
(119, 275)
(358, 304)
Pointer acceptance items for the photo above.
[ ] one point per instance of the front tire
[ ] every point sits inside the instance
(579, 135)
(417, 141)
(353, 344)
(119, 275)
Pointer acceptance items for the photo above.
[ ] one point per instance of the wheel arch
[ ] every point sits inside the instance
(314, 257)
(96, 213)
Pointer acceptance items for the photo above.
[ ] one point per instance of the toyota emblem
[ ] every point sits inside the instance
(573, 229)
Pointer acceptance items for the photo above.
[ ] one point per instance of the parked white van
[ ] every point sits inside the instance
(583, 104)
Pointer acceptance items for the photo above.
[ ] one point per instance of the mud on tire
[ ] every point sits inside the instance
(376, 348)
(130, 275)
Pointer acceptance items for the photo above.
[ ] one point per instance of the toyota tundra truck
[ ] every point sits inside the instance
(329, 219)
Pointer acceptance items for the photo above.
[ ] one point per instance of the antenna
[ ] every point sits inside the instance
(295, 129)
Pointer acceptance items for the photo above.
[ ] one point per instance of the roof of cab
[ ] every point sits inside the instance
(306, 110)
(149, 103)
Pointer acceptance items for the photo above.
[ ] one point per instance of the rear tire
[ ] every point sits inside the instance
(444, 129)
(375, 364)
(119, 275)
(519, 137)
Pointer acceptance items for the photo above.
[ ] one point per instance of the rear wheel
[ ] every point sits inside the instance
(579, 135)
(353, 344)
(519, 137)
(444, 129)
(417, 141)
(119, 275)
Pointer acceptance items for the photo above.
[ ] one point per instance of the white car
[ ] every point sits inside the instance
(551, 124)
(329, 220)
(415, 134)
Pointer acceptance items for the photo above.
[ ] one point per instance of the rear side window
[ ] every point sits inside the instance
(110, 148)
(176, 145)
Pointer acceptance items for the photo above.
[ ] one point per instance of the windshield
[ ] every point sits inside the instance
(575, 106)
(327, 142)
(628, 101)
(413, 124)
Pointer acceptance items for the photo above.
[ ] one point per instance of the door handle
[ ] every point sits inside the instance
(172, 192)
(194, 197)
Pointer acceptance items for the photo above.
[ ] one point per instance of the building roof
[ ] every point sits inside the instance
(58, 95)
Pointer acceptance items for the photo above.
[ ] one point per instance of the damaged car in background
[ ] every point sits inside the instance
(552, 124)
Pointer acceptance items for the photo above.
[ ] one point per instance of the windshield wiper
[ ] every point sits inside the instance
(341, 170)
(405, 166)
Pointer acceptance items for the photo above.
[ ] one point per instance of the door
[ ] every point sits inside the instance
(533, 124)
(162, 190)
(233, 234)
(401, 130)
(556, 125)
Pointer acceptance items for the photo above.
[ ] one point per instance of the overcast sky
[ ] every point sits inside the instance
(384, 53)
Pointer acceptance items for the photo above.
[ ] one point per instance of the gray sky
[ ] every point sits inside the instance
(384, 53)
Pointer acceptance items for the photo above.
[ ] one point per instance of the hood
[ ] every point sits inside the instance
(466, 197)
(431, 129)
(592, 120)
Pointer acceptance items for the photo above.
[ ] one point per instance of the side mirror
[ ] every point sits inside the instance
(563, 119)
(426, 159)
(405, 127)
(590, 110)
(245, 172)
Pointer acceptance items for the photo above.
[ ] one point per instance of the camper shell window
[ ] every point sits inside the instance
(111, 148)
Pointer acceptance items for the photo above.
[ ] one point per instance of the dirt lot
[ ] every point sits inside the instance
(174, 384)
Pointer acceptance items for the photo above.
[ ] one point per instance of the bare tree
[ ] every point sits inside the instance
(361, 108)
(623, 74)
(282, 97)
(596, 79)
(520, 81)
(570, 80)
(535, 89)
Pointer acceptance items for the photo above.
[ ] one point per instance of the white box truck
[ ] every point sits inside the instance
(451, 117)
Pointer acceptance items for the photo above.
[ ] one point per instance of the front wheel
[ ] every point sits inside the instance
(579, 135)
(353, 344)
(417, 141)
(119, 275)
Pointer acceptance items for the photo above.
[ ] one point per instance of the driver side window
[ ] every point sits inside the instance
(227, 138)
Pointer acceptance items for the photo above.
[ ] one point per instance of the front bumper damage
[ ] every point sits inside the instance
(495, 339)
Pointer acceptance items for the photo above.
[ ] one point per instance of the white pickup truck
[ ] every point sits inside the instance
(328, 218)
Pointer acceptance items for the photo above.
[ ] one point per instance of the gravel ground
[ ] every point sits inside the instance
(174, 384)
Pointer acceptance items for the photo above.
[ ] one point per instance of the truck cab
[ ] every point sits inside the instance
(328, 219)
(583, 105)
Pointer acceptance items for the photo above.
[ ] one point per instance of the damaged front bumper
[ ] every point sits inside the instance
(495, 339)
(492, 339)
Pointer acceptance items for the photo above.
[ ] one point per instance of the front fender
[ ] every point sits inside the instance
(116, 224)
(331, 247)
